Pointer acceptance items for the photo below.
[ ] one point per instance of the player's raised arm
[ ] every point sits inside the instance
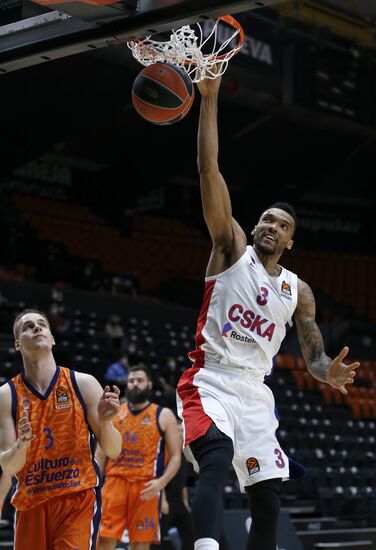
(335, 372)
(214, 193)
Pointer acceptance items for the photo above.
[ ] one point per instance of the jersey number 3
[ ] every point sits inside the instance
(49, 438)
(262, 298)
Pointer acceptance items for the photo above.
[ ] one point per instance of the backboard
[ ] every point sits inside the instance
(52, 29)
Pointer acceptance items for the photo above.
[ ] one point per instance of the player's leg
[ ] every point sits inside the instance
(264, 504)
(143, 518)
(260, 464)
(114, 512)
(206, 400)
(75, 520)
(183, 522)
(213, 452)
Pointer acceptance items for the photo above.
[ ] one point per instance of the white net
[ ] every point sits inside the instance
(185, 49)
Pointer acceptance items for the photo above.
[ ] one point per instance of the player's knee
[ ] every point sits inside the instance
(140, 545)
(216, 461)
(106, 543)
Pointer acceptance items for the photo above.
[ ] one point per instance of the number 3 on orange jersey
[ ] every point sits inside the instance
(49, 438)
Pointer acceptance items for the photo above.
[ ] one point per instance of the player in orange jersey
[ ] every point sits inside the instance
(49, 419)
(135, 479)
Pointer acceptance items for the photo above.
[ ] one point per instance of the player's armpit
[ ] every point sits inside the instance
(224, 255)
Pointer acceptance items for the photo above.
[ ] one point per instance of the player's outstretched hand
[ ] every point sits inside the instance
(25, 432)
(339, 374)
(109, 403)
(210, 86)
(152, 488)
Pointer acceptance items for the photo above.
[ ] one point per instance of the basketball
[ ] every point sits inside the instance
(162, 93)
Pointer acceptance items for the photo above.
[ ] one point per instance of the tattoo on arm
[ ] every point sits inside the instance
(309, 334)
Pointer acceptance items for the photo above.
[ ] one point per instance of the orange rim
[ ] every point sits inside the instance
(234, 23)
(226, 19)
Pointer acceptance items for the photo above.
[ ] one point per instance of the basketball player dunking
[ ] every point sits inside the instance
(48, 418)
(227, 410)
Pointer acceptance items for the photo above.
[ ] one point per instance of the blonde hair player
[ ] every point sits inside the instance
(50, 418)
(227, 410)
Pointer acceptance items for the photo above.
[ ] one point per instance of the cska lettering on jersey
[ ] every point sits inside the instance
(248, 319)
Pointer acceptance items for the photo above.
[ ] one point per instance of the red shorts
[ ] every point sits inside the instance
(123, 508)
(68, 522)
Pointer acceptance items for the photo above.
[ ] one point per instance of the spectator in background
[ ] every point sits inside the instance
(114, 332)
(127, 285)
(170, 372)
(55, 315)
(168, 369)
(57, 295)
(92, 275)
(117, 372)
(168, 394)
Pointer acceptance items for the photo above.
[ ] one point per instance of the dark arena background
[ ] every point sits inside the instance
(102, 227)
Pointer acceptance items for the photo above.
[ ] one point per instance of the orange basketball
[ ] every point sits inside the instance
(163, 93)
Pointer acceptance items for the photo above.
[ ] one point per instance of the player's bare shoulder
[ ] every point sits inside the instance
(84, 378)
(306, 298)
(166, 419)
(88, 386)
(306, 306)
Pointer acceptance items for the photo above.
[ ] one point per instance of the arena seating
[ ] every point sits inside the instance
(154, 239)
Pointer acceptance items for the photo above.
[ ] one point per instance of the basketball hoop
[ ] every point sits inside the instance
(200, 56)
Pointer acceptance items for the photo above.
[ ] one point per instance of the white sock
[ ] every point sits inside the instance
(206, 544)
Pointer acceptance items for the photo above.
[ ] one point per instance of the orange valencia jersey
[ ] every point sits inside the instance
(142, 456)
(60, 460)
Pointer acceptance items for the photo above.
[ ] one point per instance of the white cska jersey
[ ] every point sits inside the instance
(245, 315)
